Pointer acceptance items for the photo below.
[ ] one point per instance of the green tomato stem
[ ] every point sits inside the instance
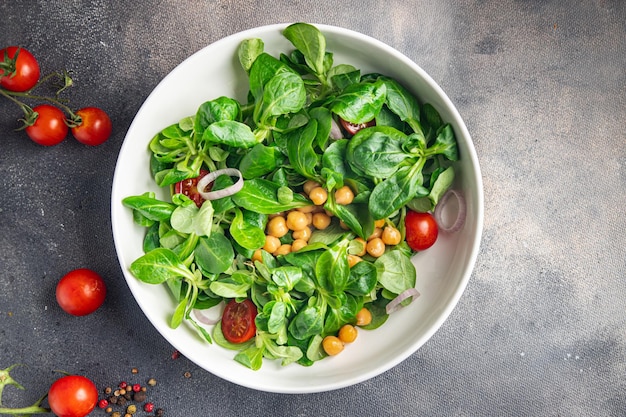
(30, 410)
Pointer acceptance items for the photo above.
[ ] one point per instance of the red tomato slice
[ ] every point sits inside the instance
(353, 128)
(421, 230)
(189, 187)
(238, 321)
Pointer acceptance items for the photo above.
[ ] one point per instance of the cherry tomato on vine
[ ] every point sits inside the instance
(72, 396)
(80, 292)
(189, 187)
(353, 128)
(238, 321)
(20, 75)
(421, 230)
(49, 127)
(95, 126)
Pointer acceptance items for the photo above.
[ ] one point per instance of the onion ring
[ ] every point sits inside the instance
(203, 318)
(228, 191)
(459, 221)
(394, 304)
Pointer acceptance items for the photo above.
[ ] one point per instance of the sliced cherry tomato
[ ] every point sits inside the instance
(72, 396)
(49, 127)
(19, 74)
(353, 128)
(238, 321)
(421, 230)
(189, 187)
(94, 128)
(80, 292)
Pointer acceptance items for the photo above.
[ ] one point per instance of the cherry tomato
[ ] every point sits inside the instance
(238, 321)
(353, 128)
(26, 72)
(421, 230)
(49, 128)
(80, 292)
(72, 396)
(95, 126)
(189, 187)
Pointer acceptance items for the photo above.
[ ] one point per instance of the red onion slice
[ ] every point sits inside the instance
(228, 191)
(204, 318)
(394, 304)
(335, 130)
(440, 212)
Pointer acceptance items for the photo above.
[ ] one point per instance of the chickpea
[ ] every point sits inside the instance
(307, 209)
(348, 333)
(379, 223)
(298, 244)
(353, 260)
(309, 185)
(344, 195)
(363, 317)
(277, 227)
(318, 196)
(343, 225)
(282, 250)
(271, 243)
(296, 220)
(257, 256)
(391, 235)
(321, 221)
(309, 218)
(376, 247)
(332, 345)
(378, 232)
(304, 234)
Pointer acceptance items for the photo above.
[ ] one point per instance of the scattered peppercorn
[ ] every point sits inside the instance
(159, 412)
(122, 391)
(176, 354)
(108, 390)
(123, 384)
(116, 414)
(103, 403)
(113, 399)
(148, 407)
(136, 387)
(116, 393)
(108, 409)
(187, 374)
(140, 397)
(134, 371)
(131, 409)
(152, 382)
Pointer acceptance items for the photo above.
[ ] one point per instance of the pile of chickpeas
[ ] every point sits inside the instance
(301, 222)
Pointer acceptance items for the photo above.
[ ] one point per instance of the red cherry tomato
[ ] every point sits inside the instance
(80, 292)
(72, 396)
(353, 128)
(95, 126)
(23, 74)
(238, 321)
(421, 230)
(49, 127)
(189, 187)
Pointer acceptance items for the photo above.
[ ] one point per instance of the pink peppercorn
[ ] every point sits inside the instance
(136, 387)
(103, 403)
(148, 407)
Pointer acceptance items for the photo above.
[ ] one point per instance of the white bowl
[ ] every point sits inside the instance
(443, 270)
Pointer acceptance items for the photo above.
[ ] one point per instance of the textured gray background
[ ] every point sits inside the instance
(541, 328)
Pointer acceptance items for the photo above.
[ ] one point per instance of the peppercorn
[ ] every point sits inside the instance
(144, 389)
(116, 393)
(123, 384)
(122, 391)
(108, 410)
(152, 382)
(187, 374)
(131, 409)
(148, 407)
(134, 371)
(140, 396)
(121, 401)
(159, 412)
(108, 390)
(113, 399)
(103, 403)
(136, 387)
(116, 414)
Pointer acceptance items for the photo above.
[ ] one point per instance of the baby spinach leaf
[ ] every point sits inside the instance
(311, 42)
(214, 254)
(401, 102)
(396, 272)
(230, 133)
(248, 51)
(360, 103)
(259, 161)
(308, 322)
(158, 266)
(362, 279)
(261, 195)
(263, 69)
(377, 151)
(248, 235)
(284, 93)
(397, 190)
(150, 207)
(222, 108)
(300, 150)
